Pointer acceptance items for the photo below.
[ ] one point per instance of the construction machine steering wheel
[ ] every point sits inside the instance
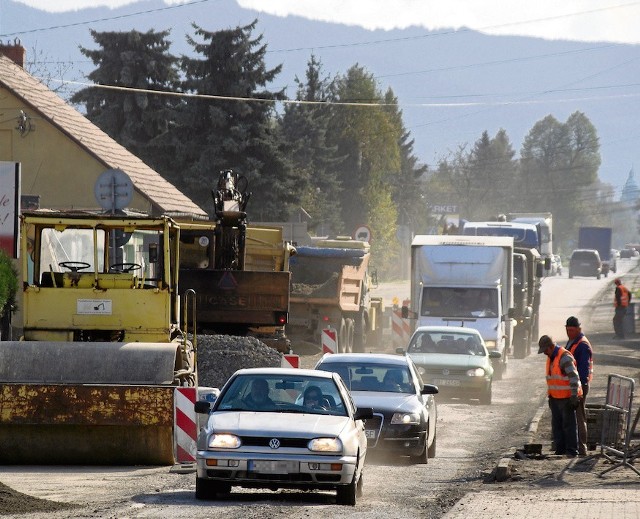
(124, 267)
(74, 266)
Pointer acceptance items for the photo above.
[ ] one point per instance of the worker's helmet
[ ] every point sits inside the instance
(617, 281)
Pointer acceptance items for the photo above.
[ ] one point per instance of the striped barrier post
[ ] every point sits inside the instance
(290, 361)
(400, 330)
(185, 429)
(329, 340)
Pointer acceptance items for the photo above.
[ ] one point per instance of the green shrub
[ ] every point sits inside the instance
(8, 283)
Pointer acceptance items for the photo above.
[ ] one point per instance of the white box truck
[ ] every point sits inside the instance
(465, 281)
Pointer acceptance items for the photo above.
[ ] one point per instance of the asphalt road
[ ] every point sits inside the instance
(471, 438)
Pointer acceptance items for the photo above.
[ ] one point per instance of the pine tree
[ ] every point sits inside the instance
(134, 119)
(238, 133)
(304, 128)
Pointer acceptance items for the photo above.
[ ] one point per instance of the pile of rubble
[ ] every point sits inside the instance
(219, 356)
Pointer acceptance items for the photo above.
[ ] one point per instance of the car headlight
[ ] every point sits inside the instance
(405, 418)
(325, 445)
(491, 345)
(224, 441)
(476, 372)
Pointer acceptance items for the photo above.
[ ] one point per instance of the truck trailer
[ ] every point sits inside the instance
(599, 238)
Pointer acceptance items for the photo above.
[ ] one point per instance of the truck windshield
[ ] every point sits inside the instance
(521, 237)
(459, 302)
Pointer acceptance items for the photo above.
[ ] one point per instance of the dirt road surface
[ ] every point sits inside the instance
(471, 438)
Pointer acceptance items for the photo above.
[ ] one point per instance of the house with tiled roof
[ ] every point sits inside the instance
(62, 153)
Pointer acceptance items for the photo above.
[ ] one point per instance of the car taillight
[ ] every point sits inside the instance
(282, 318)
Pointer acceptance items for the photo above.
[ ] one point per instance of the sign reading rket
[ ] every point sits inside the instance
(9, 207)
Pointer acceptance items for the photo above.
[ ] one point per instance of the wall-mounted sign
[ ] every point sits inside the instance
(9, 207)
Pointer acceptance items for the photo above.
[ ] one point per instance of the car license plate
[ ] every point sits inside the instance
(446, 382)
(370, 433)
(274, 466)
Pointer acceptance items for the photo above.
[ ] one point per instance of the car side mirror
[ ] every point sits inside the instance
(493, 354)
(429, 389)
(363, 413)
(400, 351)
(202, 407)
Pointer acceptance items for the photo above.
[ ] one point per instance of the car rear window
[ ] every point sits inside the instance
(583, 255)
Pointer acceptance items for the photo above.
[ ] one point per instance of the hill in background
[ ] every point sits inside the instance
(451, 85)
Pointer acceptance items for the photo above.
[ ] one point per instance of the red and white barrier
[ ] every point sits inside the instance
(400, 330)
(185, 429)
(329, 340)
(290, 361)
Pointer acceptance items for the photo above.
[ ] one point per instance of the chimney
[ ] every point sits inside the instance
(14, 51)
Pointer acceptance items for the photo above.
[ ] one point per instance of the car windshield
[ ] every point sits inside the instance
(446, 342)
(362, 376)
(282, 394)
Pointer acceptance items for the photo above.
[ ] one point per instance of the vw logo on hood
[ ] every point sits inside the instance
(445, 371)
(274, 443)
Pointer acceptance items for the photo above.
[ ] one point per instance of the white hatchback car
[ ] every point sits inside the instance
(266, 431)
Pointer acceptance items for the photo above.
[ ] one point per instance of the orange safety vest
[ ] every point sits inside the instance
(573, 349)
(557, 382)
(624, 296)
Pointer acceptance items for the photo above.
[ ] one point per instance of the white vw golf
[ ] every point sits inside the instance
(282, 428)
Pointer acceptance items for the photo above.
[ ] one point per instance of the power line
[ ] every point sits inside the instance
(105, 19)
(360, 103)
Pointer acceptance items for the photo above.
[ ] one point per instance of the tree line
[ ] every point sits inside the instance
(339, 148)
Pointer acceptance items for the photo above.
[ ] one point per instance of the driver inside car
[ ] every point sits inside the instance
(314, 399)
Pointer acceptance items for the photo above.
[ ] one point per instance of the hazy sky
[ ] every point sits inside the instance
(579, 20)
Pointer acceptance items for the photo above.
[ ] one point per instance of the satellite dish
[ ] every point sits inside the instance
(113, 190)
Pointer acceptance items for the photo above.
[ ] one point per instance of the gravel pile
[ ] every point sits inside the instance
(220, 356)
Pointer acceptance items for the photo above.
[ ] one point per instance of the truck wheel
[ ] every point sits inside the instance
(520, 347)
(342, 337)
(360, 333)
(350, 334)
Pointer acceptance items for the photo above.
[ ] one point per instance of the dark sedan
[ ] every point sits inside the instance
(404, 409)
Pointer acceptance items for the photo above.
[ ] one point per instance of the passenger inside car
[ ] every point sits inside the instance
(392, 381)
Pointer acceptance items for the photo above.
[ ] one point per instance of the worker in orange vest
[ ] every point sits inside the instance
(565, 391)
(580, 347)
(621, 301)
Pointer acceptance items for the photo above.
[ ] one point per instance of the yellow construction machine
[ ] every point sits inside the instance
(239, 272)
(92, 380)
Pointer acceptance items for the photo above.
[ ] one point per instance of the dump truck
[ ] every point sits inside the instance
(331, 283)
(239, 272)
(105, 343)
(528, 270)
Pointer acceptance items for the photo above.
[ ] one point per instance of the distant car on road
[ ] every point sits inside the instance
(585, 262)
(455, 359)
(404, 409)
(628, 253)
(266, 431)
